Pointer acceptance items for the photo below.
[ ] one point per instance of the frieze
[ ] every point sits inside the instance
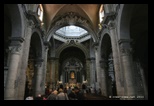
(69, 18)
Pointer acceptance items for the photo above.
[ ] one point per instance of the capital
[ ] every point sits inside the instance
(38, 62)
(15, 49)
(126, 51)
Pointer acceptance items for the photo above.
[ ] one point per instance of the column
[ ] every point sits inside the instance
(97, 55)
(92, 73)
(82, 78)
(52, 72)
(113, 34)
(56, 70)
(24, 62)
(44, 67)
(66, 76)
(88, 71)
(11, 82)
(38, 77)
(103, 77)
(144, 83)
(126, 57)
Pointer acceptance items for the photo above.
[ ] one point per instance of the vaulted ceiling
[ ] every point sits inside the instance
(87, 11)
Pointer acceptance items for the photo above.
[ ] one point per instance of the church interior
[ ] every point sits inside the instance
(103, 46)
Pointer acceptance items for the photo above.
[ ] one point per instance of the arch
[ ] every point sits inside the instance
(125, 14)
(71, 19)
(104, 32)
(105, 44)
(38, 42)
(77, 45)
(35, 55)
(17, 19)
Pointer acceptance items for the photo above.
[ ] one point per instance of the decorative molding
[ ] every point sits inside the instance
(125, 41)
(52, 58)
(125, 48)
(15, 49)
(38, 62)
(69, 18)
(92, 58)
(125, 51)
(20, 39)
(95, 44)
(111, 25)
(46, 44)
(30, 24)
(109, 16)
(72, 42)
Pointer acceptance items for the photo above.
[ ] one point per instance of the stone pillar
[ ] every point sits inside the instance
(66, 76)
(144, 83)
(103, 77)
(24, 62)
(38, 77)
(11, 82)
(56, 70)
(61, 78)
(126, 58)
(44, 68)
(88, 71)
(5, 75)
(113, 34)
(52, 72)
(92, 73)
(82, 78)
(97, 55)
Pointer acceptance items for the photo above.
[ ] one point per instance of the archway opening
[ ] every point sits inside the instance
(35, 54)
(108, 65)
(72, 63)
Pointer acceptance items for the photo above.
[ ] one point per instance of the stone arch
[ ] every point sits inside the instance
(105, 44)
(107, 65)
(71, 19)
(66, 45)
(35, 58)
(104, 32)
(17, 19)
(125, 14)
(36, 36)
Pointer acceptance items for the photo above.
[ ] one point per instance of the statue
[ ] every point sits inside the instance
(72, 75)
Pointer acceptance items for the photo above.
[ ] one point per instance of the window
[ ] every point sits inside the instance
(71, 31)
(40, 12)
(101, 14)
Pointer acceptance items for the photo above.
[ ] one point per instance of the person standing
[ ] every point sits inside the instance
(53, 95)
(61, 95)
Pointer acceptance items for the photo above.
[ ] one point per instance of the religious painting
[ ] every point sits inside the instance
(72, 74)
